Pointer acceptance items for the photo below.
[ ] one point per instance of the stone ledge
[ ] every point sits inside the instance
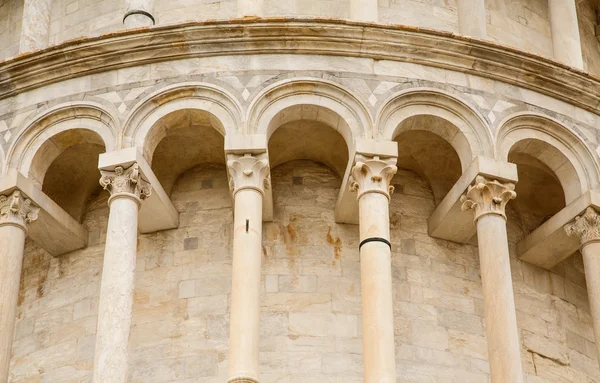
(281, 35)
(157, 212)
(55, 230)
(549, 244)
(448, 221)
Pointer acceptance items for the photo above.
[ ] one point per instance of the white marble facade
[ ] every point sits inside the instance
(262, 199)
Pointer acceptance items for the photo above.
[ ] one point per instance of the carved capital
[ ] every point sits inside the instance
(487, 196)
(585, 226)
(373, 175)
(125, 182)
(17, 210)
(248, 172)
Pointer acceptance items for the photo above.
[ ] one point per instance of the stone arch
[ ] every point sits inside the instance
(466, 130)
(141, 130)
(309, 99)
(30, 144)
(558, 148)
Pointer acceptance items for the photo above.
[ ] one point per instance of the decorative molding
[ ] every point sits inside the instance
(17, 210)
(84, 56)
(486, 196)
(586, 226)
(372, 175)
(125, 182)
(248, 171)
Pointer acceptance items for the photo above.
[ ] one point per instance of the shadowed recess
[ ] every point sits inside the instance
(539, 191)
(189, 139)
(431, 157)
(309, 140)
(67, 167)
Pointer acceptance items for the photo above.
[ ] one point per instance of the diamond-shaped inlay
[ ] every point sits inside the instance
(3, 126)
(501, 106)
(7, 136)
(245, 94)
(122, 108)
(373, 99)
(492, 117)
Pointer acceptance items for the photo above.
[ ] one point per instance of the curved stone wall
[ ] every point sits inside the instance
(310, 96)
(523, 24)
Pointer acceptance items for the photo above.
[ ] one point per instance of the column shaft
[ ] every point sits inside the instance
(565, 32)
(127, 188)
(371, 177)
(139, 13)
(245, 292)
(364, 10)
(498, 298)
(12, 241)
(116, 292)
(591, 262)
(376, 290)
(249, 177)
(35, 26)
(472, 18)
(586, 227)
(250, 8)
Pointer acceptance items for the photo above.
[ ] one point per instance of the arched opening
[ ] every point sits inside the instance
(540, 193)
(309, 140)
(424, 150)
(429, 273)
(182, 140)
(66, 168)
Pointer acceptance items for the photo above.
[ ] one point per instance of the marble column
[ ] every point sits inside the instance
(35, 26)
(565, 32)
(250, 8)
(15, 213)
(138, 14)
(364, 10)
(587, 228)
(127, 190)
(472, 18)
(249, 177)
(488, 199)
(371, 177)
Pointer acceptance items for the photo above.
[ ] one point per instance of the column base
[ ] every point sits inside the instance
(242, 379)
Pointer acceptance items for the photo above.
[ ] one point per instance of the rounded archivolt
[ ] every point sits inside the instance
(32, 142)
(554, 145)
(309, 99)
(466, 130)
(141, 129)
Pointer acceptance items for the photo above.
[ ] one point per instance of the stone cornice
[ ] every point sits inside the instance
(85, 56)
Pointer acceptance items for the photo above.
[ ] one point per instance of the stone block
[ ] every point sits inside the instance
(323, 324)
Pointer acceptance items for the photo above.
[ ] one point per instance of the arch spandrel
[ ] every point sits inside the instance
(467, 131)
(310, 99)
(85, 116)
(559, 148)
(143, 129)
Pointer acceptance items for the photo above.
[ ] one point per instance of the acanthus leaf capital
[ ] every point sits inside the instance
(372, 175)
(487, 196)
(248, 172)
(17, 210)
(126, 181)
(585, 226)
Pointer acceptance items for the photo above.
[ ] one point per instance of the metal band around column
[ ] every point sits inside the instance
(375, 239)
(139, 12)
